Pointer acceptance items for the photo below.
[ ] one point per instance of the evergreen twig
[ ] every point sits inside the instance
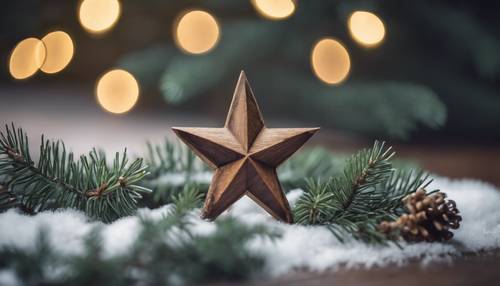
(57, 180)
(364, 170)
(315, 205)
(172, 166)
(368, 191)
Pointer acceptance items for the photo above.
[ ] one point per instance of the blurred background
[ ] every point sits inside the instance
(424, 76)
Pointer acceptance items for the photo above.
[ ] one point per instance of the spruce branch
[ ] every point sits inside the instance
(400, 184)
(182, 204)
(188, 199)
(368, 191)
(8, 199)
(350, 193)
(315, 205)
(363, 171)
(57, 180)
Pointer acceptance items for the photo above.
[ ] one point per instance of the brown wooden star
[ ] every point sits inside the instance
(245, 154)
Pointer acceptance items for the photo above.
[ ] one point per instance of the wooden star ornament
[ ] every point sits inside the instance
(245, 154)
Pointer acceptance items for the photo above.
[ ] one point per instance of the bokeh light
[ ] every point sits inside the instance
(98, 16)
(117, 91)
(59, 47)
(196, 32)
(26, 58)
(330, 61)
(366, 28)
(275, 9)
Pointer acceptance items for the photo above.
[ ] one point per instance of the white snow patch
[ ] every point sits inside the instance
(180, 178)
(9, 278)
(310, 247)
(119, 235)
(64, 227)
(479, 204)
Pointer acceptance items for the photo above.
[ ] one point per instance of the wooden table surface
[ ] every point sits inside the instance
(82, 125)
(467, 271)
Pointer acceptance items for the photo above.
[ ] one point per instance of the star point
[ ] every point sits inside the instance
(244, 119)
(245, 155)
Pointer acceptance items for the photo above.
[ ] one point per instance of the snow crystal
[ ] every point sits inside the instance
(311, 247)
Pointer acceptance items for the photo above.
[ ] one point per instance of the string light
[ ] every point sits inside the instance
(196, 32)
(275, 9)
(117, 91)
(26, 58)
(330, 61)
(98, 16)
(59, 47)
(366, 28)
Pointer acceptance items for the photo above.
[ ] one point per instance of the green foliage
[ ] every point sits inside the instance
(57, 180)
(278, 66)
(411, 105)
(316, 163)
(400, 184)
(171, 167)
(364, 170)
(33, 267)
(171, 157)
(185, 77)
(224, 254)
(368, 191)
(188, 199)
(165, 252)
(92, 267)
(315, 205)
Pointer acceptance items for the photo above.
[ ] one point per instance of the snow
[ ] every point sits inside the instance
(180, 178)
(9, 278)
(309, 247)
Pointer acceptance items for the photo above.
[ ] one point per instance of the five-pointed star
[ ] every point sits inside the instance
(245, 154)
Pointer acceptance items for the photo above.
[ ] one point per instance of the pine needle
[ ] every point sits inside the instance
(58, 180)
(368, 191)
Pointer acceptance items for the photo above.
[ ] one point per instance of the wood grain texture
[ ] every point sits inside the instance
(215, 146)
(245, 154)
(244, 119)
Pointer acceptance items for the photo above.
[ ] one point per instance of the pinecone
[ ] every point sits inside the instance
(429, 218)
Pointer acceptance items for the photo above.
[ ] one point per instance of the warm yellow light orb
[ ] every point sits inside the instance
(98, 16)
(59, 47)
(275, 9)
(26, 58)
(330, 61)
(197, 32)
(117, 91)
(366, 28)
